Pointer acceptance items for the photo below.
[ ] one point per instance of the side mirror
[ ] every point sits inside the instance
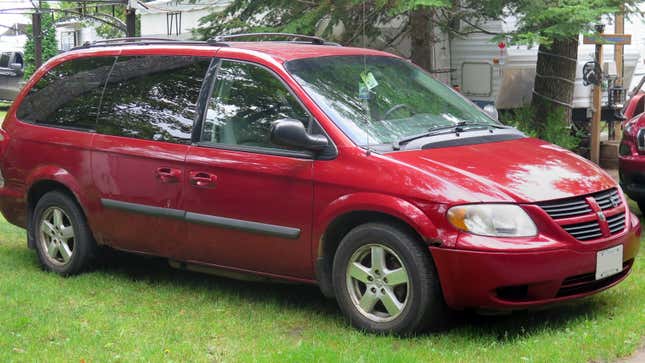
(16, 67)
(491, 111)
(292, 133)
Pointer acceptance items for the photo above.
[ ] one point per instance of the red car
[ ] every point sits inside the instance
(631, 153)
(344, 167)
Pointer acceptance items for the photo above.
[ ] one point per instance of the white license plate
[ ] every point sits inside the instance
(609, 262)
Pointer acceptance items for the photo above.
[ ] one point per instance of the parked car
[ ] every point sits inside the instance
(631, 152)
(11, 71)
(344, 167)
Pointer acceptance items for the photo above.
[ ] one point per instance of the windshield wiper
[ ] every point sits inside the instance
(448, 129)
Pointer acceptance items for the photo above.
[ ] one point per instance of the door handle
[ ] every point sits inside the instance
(202, 179)
(168, 175)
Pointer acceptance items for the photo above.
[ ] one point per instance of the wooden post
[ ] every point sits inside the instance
(619, 48)
(37, 33)
(130, 22)
(597, 111)
(619, 54)
(131, 19)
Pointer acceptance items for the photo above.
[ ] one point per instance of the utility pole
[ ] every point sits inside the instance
(131, 19)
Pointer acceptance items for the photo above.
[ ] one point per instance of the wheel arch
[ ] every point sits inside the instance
(45, 180)
(348, 212)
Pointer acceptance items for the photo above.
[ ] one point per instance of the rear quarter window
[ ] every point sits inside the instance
(152, 97)
(68, 95)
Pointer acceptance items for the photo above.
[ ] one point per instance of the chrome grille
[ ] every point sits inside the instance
(608, 199)
(616, 223)
(567, 209)
(584, 231)
(578, 206)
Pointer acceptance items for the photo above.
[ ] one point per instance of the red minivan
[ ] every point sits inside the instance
(300, 160)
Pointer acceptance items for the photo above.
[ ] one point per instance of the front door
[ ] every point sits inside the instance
(248, 201)
(143, 134)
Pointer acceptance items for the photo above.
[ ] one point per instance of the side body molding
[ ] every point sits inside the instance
(223, 222)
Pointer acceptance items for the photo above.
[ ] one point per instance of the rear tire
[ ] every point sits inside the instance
(62, 238)
(386, 282)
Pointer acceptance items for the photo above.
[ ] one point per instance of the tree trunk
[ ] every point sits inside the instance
(553, 93)
(422, 37)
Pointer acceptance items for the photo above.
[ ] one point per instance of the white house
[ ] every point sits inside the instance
(175, 18)
(71, 33)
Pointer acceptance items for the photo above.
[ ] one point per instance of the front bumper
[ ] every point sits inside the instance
(501, 280)
(632, 176)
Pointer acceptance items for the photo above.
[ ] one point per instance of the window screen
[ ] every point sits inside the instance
(152, 97)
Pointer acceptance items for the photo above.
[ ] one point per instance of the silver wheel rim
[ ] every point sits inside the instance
(56, 234)
(378, 282)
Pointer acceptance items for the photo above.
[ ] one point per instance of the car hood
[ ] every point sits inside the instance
(524, 170)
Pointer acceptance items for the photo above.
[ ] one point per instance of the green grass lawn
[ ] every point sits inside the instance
(138, 309)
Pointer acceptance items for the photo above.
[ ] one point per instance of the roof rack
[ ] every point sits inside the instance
(217, 41)
(146, 41)
(310, 38)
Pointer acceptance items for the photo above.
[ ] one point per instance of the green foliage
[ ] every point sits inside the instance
(542, 21)
(553, 128)
(539, 21)
(105, 30)
(325, 18)
(49, 44)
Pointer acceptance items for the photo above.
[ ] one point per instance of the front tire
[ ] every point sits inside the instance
(386, 282)
(63, 240)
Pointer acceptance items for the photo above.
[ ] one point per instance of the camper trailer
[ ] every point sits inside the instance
(490, 72)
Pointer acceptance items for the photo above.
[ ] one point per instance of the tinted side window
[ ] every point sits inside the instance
(4, 59)
(245, 100)
(152, 97)
(68, 95)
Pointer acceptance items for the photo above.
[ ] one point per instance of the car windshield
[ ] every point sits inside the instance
(382, 98)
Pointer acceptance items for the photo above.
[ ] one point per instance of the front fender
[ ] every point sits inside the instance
(363, 202)
(375, 202)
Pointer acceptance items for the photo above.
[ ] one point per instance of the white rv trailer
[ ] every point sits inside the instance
(489, 75)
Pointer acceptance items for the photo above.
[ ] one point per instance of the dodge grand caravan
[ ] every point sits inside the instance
(348, 168)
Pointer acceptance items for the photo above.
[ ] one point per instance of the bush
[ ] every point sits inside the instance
(554, 128)
(49, 43)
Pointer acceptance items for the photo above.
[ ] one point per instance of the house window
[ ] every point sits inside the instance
(173, 23)
(69, 40)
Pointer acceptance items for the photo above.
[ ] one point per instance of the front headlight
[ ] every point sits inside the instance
(497, 220)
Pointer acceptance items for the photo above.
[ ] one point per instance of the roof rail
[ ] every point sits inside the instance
(310, 38)
(146, 41)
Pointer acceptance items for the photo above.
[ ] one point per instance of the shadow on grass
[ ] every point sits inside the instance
(501, 328)
(152, 270)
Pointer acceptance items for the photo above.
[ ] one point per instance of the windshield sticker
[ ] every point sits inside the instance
(369, 80)
(363, 92)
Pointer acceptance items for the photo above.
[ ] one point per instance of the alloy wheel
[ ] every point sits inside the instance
(378, 282)
(56, 235)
